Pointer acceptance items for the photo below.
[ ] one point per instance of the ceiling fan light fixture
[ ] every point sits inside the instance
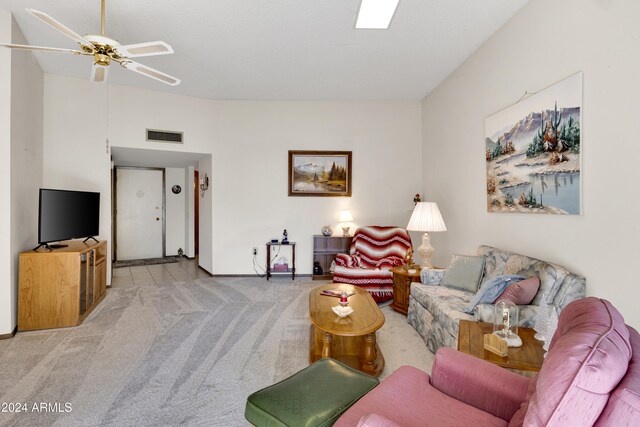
(104, 49)
(99, 73)
(376, 14)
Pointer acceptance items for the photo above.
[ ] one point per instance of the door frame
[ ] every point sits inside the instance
(114, 213)
(196, 213)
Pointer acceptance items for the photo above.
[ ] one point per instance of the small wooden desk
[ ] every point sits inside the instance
(351, 339)
(524, 360)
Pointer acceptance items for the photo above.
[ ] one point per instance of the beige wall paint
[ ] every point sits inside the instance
(545, 42)
(175, 210)
(248, 142)
(6, 259)
(21, 95)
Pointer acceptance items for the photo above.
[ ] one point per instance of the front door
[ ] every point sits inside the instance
(139, 213)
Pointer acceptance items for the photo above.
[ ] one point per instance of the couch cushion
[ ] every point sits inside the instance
(495, 260)
(623, 408)
(445, 304)
(588, 356)
(521, 292)
(553, 278)
(407, 398)
(464, 272)
(551, 275)
(491, 289)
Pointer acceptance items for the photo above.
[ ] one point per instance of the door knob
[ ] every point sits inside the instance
(157, 219)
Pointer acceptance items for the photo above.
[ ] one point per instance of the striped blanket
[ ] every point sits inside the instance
(374, 251)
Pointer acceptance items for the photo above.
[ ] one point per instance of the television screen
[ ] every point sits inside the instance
(65, 215)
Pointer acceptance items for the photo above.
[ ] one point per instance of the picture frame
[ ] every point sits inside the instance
(320, 173)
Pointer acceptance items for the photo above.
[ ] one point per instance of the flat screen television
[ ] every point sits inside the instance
(66, 215)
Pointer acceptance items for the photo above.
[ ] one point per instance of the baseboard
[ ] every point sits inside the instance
(206, 271)
(255, 275)
(10, 335)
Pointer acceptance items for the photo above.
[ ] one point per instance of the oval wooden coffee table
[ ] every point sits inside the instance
(351, 339)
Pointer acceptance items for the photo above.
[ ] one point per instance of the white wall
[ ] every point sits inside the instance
(545, 42)
(7, 288)
(189, 249)
(75, 152)
(21, 95)
(206, 218)
(249, 143)
(175, 210)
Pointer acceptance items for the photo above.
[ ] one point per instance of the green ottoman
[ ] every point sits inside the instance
(315, 396)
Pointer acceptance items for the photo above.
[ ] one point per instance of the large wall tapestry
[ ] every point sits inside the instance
(533, 152)
(319, 173)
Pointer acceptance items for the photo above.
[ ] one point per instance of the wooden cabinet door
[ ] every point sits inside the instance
(399, 290)
(100, 280)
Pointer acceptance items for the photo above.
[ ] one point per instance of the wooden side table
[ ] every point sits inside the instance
(525, 360)
(401, 288)
(291, 270)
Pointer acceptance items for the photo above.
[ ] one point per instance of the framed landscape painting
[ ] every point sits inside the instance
(320, 173)
(533, 152)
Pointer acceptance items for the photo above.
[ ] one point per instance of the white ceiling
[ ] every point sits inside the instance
(276, 49)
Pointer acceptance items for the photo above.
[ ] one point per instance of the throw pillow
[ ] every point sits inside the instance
(464, 272)
(522, 292)
(490, 290)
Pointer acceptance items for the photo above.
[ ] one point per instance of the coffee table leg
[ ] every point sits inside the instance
(370, 355)
(327, 340)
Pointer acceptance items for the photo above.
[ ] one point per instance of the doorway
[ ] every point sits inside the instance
(139, 213)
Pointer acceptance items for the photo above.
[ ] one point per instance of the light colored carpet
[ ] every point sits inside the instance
(175, 353)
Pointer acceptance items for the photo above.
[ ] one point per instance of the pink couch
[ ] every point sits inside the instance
(591, 376)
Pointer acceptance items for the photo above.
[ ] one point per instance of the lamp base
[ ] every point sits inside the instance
(345, 231)
(426, 251)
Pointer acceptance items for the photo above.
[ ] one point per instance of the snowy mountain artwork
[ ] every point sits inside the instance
(319, 173)
(533, 152)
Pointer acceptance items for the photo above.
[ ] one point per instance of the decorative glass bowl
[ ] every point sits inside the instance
(342, 311)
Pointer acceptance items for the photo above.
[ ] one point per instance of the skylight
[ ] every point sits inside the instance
(376, 14)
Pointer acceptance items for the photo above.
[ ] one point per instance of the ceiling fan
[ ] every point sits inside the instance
(104, 50)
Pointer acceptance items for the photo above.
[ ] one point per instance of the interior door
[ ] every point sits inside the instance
(139, 213)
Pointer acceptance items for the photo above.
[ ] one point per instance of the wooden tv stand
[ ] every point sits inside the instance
(60, 288)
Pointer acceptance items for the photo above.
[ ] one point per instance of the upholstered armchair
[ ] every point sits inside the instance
(374, 251)
(591, 376)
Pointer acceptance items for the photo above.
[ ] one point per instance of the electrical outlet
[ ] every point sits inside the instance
(255, 251)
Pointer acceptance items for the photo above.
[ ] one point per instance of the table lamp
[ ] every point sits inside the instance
(426, 217)
(345, 219)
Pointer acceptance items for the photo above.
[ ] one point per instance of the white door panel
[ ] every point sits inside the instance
(139, 216)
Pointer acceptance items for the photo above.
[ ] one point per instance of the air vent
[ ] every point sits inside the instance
(164, 136)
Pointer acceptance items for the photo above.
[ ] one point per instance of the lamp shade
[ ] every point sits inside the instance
(345, 216)
(426, 217)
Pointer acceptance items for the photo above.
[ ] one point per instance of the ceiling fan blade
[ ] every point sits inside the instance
(150, 72)
(44, 49)
(99, 73)
(61, 28)
(144, 49)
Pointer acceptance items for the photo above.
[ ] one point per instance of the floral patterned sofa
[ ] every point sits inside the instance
(434, 311)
